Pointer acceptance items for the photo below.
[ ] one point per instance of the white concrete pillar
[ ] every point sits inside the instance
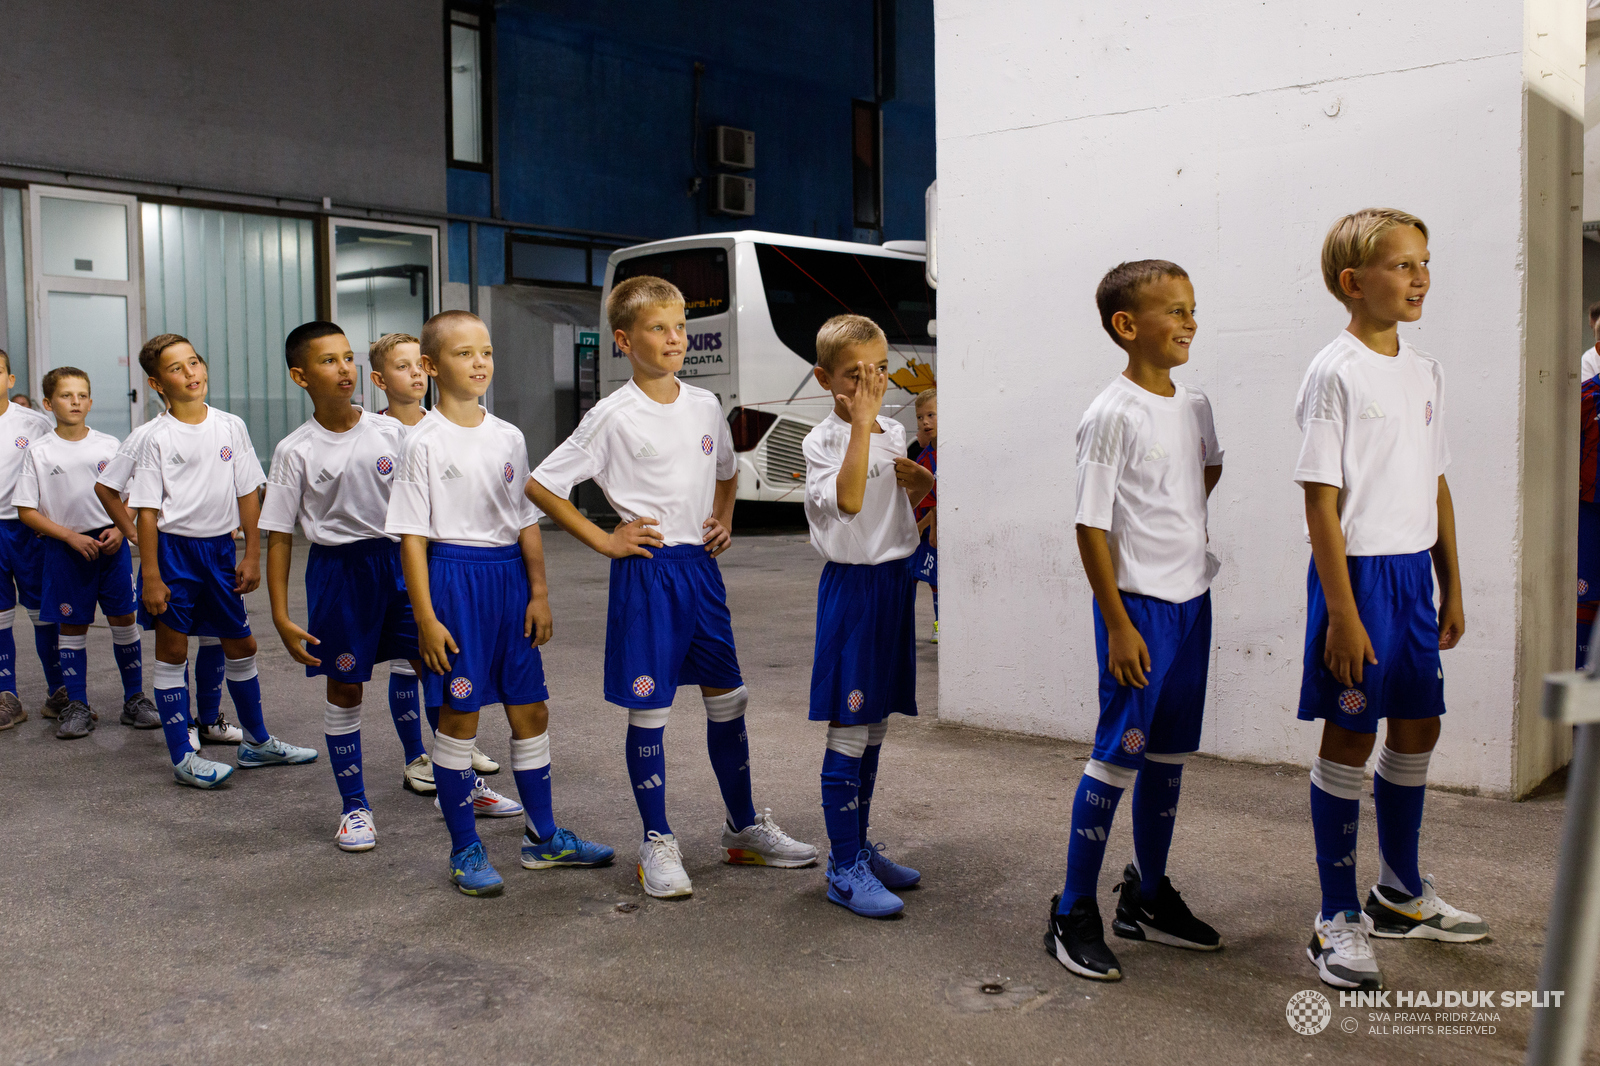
(1228, 138)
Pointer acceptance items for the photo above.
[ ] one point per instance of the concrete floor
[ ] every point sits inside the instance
(148, 923)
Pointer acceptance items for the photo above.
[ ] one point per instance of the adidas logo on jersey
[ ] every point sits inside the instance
(873, 471)
(450, 473)
(322, 477)
(176, 460)
(654, 781)
(646, 452)
(1158, 452)
(1372, 411)
(1093, 832)
(57, 470)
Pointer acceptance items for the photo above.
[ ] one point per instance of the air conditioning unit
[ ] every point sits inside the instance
(732, 149)
(732, 195)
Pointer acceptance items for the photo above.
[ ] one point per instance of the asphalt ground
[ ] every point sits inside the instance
(149, 923)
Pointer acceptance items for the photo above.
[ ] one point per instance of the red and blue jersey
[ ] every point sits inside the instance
(928, 457)
(1590, 449)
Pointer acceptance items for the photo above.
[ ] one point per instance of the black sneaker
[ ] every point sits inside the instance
(1077, 940)
(1166, 920)
(76, 720)
(140, 713)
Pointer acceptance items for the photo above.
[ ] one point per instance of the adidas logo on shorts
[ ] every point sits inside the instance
(653, 781)
(450, 473)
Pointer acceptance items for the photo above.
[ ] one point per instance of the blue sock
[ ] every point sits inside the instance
(73, 654)
(342, 731)
(647, 769)
(530, 765)
(209, 669)
(244, 688)
(729, 749)
(431, 712)
(45, 639)
(1397, 794)
(8, 656)
(1335, 818)
(454, 777)
(405, 699)
(172, 703)
(130, 660)
(1155, 811)
(841, 792)
(1092, 811)
(869, 778)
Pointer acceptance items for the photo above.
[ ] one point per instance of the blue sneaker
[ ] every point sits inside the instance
(471, 873)
(199, 772)
(273, 752)
(891, 873)
(856, 887)
(564, 848)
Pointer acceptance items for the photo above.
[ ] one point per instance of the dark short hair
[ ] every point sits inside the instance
(1594, 313)
(1119, 289)
(433, 329)
(151, 352)
(54, 377)
(5, 359)
(300, 338)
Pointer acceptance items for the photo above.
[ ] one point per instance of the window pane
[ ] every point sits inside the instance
(91, 333)
(549, 262)
(466, 96)
(16, 339)
(84, 238)
(384, 282)
(806, 287)
(700, 273)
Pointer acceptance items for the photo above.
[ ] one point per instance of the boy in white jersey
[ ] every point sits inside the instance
(660, 450)
(396, 362)
(474, 568)
(20, 549)
(866, 658)
(1381, 523)
(1148, 459)
(86, 561)
(111, 488)
(196, 483)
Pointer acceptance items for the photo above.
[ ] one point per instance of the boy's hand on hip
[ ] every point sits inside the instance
(433, 642)
(1452, 623)
(1347, 649)
(84, 545)
(633, 538)
(155, 596)
(1127, 656)
(537, 623)
(247, 576)
(295, 639)
(717, 539)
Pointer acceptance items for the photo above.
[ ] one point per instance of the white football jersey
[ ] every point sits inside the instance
(1374, 429)
(462, 485)
(19, 427)
(193, 476)
(1589, 365)
(1141, 477)
(57, 479)
(118, 474)
(336, 485)
(885, 528)
(661, 460)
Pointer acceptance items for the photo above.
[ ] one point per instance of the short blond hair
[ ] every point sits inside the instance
(925, 397)
(1352, 240)
(630, 299)
(844, 331)
(434, 329)
(378, 353)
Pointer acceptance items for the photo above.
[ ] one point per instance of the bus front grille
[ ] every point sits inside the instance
(786, 463)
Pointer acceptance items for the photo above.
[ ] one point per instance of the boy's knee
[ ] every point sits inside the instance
(344, 693)
(238, 647)
(1345, 746)
(1412, 736)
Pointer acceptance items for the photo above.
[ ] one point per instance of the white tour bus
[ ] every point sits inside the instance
(754, 302)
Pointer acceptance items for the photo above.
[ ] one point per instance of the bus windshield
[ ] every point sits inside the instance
(701, 274)
(805, 287)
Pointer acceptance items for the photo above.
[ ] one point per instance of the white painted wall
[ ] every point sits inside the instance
(1227, 137)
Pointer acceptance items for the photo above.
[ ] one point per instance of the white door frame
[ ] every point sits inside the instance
(39, 284)
(331, 248)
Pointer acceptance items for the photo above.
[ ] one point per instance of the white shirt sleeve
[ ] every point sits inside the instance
(247, 473)
(527, 513)
(1441, 439)
(1100, 446)
(1208, 434)
(284, 487)
(147, 489)
(26, 494)
(576, 459)
(727, 462)
(409, 510)
(823, 463)
(1322, 451)
(119, 470)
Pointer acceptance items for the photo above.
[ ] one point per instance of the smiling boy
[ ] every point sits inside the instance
(1381, 523)
(660, 450)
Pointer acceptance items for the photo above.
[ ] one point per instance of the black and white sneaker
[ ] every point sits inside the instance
(1077, 940)
(1398, 916)
(1165, 920)
(1342, 953)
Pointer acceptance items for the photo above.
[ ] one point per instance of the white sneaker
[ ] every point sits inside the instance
(194, 737)
(197, 771)
(418, 777)
(357, 831)
(1425, 917)
(661, 869)
(764, 844)
(482, 764)
(1342, 954)
(487, 803)
(221, 731)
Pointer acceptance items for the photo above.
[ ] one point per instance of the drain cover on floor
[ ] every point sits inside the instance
(988, 993)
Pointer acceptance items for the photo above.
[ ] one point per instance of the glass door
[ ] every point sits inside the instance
(385, 279)
(83, 253)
